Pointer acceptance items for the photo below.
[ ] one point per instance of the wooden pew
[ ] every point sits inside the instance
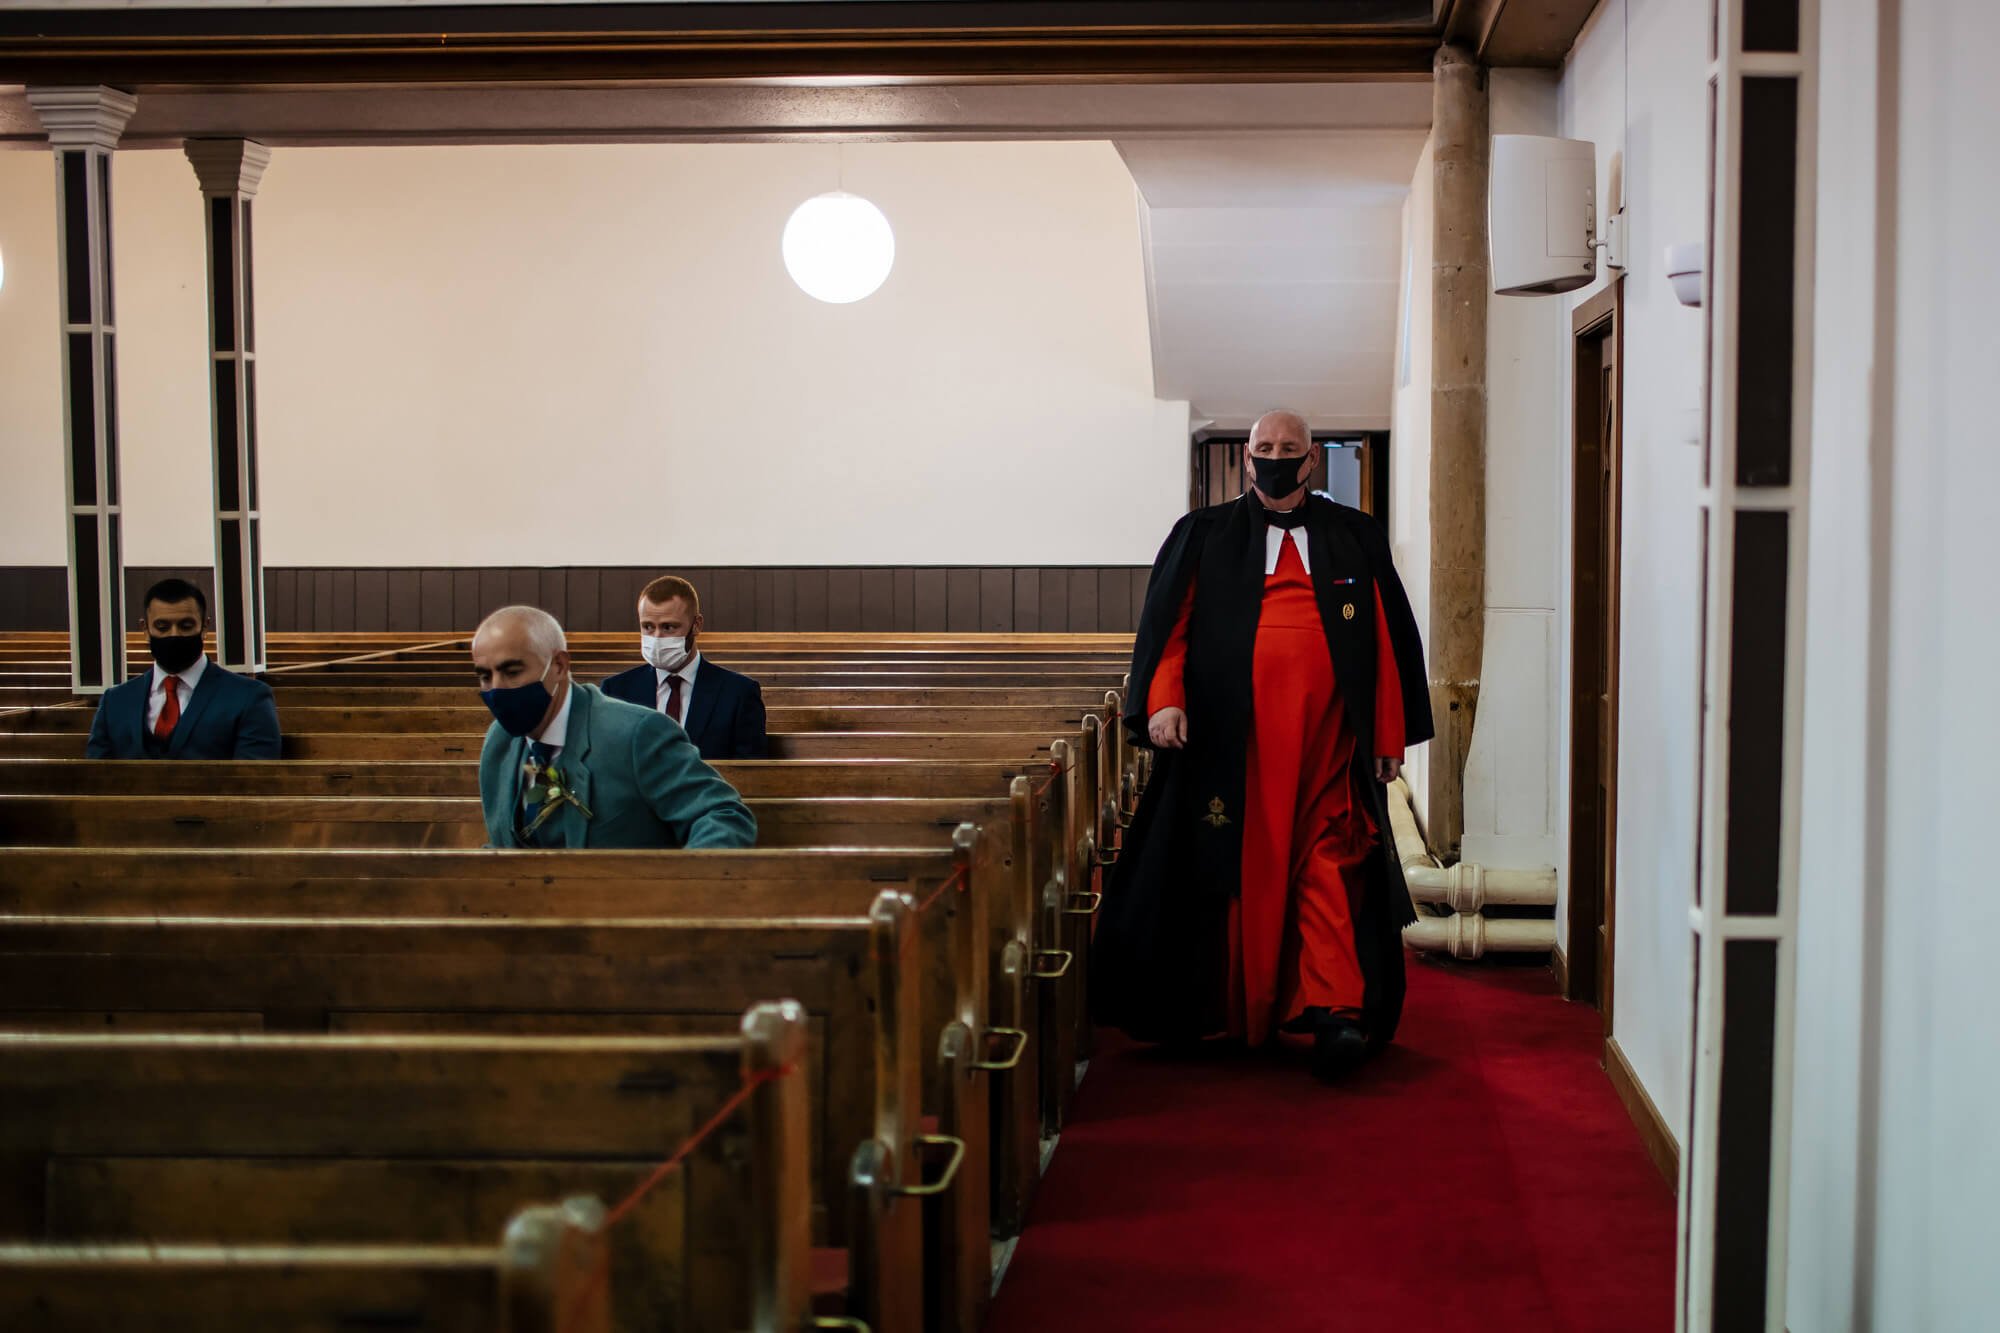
(308, 777)
(554, 942)
(1014, 861)
(1036, 819)
(474, 720)
(1062, 882)
(548, 1274)
(246, 1139)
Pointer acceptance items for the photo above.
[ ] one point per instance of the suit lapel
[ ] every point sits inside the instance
(134, 714)
(197, 705)
(517, 758)
(575, 771)
(707, 681)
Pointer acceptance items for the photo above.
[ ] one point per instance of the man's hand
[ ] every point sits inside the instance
(1168, 729)
(1388, 770)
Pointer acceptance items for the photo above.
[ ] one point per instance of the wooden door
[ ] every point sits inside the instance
(1594, 654)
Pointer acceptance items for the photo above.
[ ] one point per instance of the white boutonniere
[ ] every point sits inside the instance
(548, 788)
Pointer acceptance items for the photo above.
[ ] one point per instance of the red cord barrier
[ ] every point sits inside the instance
(751, 1082)
(955, 879)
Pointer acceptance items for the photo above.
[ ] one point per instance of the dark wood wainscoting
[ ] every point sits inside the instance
(999, 599)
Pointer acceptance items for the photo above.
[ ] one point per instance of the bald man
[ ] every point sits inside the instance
(1278, 675)
(564, 766)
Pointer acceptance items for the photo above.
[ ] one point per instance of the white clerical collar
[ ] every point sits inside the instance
(190, 677)
(1274, 545)
(557, 732)
(686, 673)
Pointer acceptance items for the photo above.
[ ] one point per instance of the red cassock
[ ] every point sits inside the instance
(1307, 832)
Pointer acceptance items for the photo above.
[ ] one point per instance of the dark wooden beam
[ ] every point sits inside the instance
(1517, 32)
(1094, 39)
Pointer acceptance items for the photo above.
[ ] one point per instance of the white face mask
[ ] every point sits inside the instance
(667, 654)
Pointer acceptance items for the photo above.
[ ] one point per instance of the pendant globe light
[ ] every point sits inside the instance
(838, 247)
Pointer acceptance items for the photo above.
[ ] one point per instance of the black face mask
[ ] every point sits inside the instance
(1281, 478)
(176, 652)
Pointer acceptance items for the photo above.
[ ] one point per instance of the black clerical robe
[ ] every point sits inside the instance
(1159, 961)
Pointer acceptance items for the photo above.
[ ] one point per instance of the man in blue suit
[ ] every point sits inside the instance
(184, 707)
(566, 766)
(721, 711)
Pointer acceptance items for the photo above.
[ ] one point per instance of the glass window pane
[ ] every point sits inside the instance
(221, 271)
(230, 600)
(228, 485)
(82, 420)
(1756, 712)
(1770, 25)
(1743, 1133)
(249, 287)
(1764, 282)
(104, 202)
(76, 235)
(89, 602)
(110, 419)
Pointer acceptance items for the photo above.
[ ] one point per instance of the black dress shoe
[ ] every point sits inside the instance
(1339, 1046)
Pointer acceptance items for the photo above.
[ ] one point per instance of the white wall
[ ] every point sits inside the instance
(1634, 85)
(593, 355)
(1410, 431)
(1897, 1070)
(1511, 782)
(1842, 628)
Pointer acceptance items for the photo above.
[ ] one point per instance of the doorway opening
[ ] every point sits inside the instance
(1593, 788)
(1350, 466)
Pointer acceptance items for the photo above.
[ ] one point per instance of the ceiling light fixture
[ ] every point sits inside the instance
(838, 247)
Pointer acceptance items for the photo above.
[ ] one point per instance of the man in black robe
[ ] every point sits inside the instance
(1278, 674)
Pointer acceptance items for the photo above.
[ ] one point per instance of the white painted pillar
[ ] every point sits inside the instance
(1735, 1184)
(229, 171)
(83, 125)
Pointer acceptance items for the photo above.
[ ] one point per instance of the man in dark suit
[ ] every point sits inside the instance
(184, 707)
(721, 711)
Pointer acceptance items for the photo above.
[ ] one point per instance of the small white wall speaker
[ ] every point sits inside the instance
(1541, 214)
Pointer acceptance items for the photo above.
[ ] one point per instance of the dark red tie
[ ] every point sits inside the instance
(674, 697)
(170, 712)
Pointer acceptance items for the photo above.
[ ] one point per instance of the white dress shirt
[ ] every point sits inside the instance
(184, 683)
(686, 673)
(1274, 544)
(554, 734)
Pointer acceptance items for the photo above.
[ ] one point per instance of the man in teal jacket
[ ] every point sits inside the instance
(564, 766)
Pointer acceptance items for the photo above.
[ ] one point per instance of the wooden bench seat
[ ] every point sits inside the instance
(258, 1139)
(548, 1274)
(473, 720)
(310, 777)
(555, 941)
(1081, 698)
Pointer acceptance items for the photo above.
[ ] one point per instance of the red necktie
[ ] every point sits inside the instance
(674, 697)
(170, 712)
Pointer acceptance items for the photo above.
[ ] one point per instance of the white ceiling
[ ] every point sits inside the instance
(1273, 268)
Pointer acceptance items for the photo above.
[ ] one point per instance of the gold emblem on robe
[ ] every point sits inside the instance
(1215, 816)
(1347, 612)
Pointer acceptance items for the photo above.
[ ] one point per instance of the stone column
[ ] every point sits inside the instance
(229, 171)
(1460, 283)
(83, 125)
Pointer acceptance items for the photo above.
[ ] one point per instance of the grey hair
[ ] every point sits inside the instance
(544, 631)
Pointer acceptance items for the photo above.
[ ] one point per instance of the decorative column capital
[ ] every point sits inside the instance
(92, 116)
(228, 166)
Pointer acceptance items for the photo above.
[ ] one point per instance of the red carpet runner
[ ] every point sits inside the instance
(1481, 1175)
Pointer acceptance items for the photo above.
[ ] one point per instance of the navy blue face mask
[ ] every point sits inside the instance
(520, 709)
